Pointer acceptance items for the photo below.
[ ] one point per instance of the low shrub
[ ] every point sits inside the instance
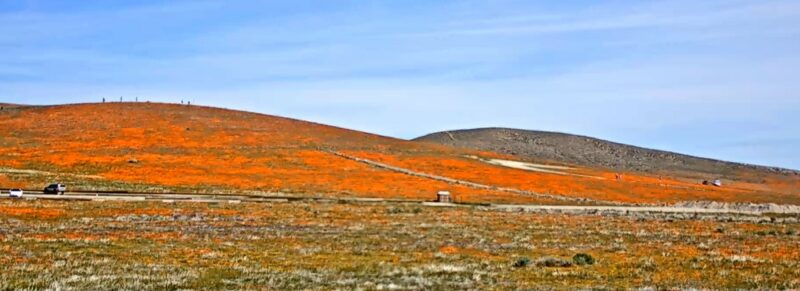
(583, 259)
(522, 262)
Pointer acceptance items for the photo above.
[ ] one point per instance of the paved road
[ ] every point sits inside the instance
(232, 198)
(204, 198)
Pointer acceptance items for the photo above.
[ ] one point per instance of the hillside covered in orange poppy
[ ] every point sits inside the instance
(169, 147)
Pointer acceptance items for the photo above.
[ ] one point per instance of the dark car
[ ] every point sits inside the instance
(55, 189)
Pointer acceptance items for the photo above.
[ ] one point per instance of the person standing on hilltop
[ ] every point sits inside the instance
(104, 99)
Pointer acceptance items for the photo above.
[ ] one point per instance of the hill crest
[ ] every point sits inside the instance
(584, 151)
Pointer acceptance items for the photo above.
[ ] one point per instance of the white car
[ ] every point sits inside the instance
(15, 193)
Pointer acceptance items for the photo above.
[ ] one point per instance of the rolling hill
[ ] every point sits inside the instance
(156, 147)
(588, 151)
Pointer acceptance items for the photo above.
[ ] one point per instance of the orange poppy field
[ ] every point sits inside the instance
(152, 147)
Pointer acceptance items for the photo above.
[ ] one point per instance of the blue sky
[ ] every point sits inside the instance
(709, 78)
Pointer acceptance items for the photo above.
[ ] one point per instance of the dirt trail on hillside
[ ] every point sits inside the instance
(468, 183)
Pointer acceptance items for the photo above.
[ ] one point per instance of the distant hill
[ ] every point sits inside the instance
(592, 152)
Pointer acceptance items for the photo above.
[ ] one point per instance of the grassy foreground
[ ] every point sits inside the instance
(153, 245)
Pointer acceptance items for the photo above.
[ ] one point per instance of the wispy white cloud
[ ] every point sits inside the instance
(671, 14)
